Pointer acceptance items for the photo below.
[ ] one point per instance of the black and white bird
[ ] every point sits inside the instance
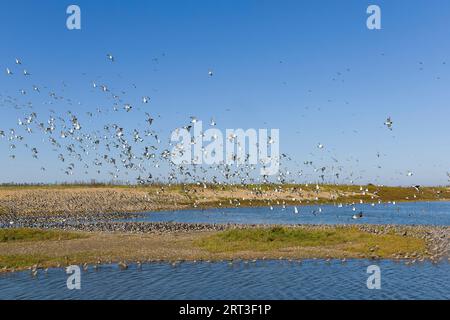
(388, 123)
(358, 215)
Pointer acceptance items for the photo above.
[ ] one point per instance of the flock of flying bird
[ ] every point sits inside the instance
(138, 154)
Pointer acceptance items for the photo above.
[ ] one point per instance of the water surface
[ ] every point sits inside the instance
(411, 213)
(310, 279)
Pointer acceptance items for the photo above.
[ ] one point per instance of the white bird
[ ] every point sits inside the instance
(145, 99)
(295, 210)
(358, 216)
(110, 57)
(8, 72)
(320, 146)
(388, 123)
(18, 61)
(210, 73)
(128, 107)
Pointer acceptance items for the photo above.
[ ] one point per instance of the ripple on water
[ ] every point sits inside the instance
(411, 213)
(311, 279)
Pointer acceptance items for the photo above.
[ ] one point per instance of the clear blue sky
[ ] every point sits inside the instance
(310, 68)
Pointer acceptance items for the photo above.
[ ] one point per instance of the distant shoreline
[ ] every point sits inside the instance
(103, 200)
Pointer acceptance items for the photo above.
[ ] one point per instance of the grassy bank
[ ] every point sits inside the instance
(23, 248)
(25, 236)
(348, 240)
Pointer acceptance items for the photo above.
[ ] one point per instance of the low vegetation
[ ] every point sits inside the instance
(21, 261)
(12, 235)
(349, 240)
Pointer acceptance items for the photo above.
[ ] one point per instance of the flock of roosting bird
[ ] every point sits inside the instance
(127, 155)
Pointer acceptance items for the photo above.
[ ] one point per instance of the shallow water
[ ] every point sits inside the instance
(411, 213)
(310, 279)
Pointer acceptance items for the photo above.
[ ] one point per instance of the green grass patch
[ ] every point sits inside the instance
(22, 261)
(23, 234)
(348, 239)
(19, 261)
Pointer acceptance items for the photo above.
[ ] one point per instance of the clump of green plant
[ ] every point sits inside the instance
(345, 239)
(20, 261)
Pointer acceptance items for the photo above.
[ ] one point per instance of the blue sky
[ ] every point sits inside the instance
(310, 68)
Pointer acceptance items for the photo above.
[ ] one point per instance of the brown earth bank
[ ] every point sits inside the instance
(75, 200)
